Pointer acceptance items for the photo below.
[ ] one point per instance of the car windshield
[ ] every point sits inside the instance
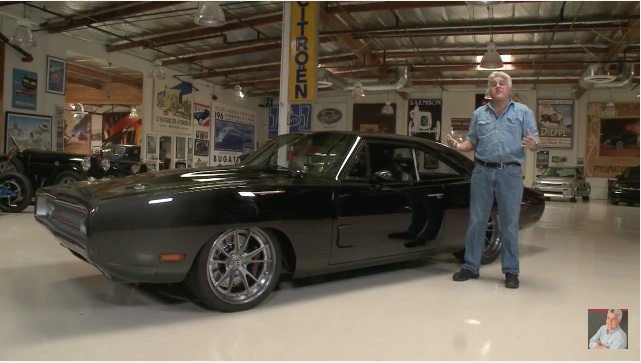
(319, 154)
(558, 173)
(119, 151)
(630, 174)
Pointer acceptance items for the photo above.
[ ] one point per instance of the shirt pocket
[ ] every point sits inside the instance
(514, 124)
(484, 127)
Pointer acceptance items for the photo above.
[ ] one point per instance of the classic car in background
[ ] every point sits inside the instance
(626, 188)
(45, 167)
(303, 204)
(563, 182)
(124, 159)
(16, 192)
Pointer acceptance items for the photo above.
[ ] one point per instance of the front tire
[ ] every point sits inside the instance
(492, 248)
(237, 270)
(18, 192)
(67, 177)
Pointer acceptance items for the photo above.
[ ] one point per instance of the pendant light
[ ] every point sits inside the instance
(491, 59)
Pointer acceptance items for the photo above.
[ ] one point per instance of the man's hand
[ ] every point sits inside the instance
(451, 142)
(530, 142)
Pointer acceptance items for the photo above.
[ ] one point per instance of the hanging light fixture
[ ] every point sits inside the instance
(157, 72)
(238, 94)
(487, 94)
(22, 35)
(210, 13)
(609, 110)
(491, 59)
(134, 113)
(358, 90)
(387, 109)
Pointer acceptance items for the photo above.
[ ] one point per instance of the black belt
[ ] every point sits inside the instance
(496, 165)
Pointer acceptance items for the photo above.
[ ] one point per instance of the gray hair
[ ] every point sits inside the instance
(500, 74)
(618, 312)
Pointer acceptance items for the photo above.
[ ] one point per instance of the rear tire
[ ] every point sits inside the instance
(17, 184)
(492, 248)
(14, 165)
(237, 270)
(68, 176)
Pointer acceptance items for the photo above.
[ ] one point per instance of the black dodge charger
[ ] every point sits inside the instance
(303, 204)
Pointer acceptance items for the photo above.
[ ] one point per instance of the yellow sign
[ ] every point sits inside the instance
(303, 51)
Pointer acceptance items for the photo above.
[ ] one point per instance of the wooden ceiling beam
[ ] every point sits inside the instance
(109, 13)
(197, 32)
(103, 76)
(83, 81)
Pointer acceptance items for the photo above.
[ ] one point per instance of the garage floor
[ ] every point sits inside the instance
(581, 255)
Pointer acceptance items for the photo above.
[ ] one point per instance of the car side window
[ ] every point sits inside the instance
(384, 162)
(432, 168)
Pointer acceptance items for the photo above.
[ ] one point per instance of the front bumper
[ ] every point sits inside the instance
(559, 192)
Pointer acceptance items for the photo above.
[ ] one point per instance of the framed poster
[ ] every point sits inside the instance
(180, 147)
(368, 118)
(424, 118)
(29, 131)
(25, 90)
(56, 72)
(555, 123)
(542, 159)
(152, 146)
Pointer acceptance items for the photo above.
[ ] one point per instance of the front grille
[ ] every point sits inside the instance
(65, 219)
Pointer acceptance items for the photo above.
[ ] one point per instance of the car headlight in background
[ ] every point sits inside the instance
(86, 163)
(568, 185)
(135, 168)
(106, 164)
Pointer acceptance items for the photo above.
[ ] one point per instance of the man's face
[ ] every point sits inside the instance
(499, 90)
(612, 321)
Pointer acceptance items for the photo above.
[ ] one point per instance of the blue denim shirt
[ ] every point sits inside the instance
(498, 139)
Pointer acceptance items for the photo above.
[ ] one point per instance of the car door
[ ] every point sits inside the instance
(369, 206)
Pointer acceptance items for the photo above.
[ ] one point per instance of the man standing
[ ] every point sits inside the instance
(499, 133)
(610, 335)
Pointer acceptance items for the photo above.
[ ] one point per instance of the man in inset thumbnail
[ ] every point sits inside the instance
(610, 335)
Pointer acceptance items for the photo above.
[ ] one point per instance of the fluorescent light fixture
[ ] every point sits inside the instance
(157, 72)
(210, 13)
(22, 35)
(491, 59)
(387, 109)
(505, 58)
(246, 194)
(157, 201)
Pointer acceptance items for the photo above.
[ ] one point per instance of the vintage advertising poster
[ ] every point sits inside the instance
(25, 89)
(173, 107)
(59, 121)
(77, 133)
(29, 131)
(300, 119)
(368, 118)
(555, 120)
(612, 142)
(330, 117)
(234, 133)
(425, 118)
(120, 128)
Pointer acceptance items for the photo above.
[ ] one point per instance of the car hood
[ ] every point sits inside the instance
(629, 183)
(179, 180)
(555, 180)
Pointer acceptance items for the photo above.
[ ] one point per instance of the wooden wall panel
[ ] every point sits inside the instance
(120, 94)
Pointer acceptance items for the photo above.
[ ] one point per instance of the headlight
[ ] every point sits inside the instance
(86, 163)
(568, 185)
(135, 168)
(105, 164)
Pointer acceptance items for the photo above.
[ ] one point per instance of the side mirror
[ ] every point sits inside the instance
(383, 175)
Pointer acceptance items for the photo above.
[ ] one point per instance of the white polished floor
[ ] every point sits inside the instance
(579, 256)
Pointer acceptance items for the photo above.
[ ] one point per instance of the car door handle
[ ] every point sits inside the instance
(436, 195)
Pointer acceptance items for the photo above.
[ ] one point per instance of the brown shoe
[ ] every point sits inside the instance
(464, 275)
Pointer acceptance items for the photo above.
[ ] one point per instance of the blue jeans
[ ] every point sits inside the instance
(506, 186)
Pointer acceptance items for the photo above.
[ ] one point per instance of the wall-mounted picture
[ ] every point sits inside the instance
(56, 71)
(555, 123)
(152, 146)
(180, 147)
(25, 89)
(29, 131)
(201, 148)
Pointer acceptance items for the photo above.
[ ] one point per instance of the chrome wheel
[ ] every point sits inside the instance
(241, 265)
(492, 239)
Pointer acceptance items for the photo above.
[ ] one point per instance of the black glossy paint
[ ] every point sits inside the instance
(327, 224)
